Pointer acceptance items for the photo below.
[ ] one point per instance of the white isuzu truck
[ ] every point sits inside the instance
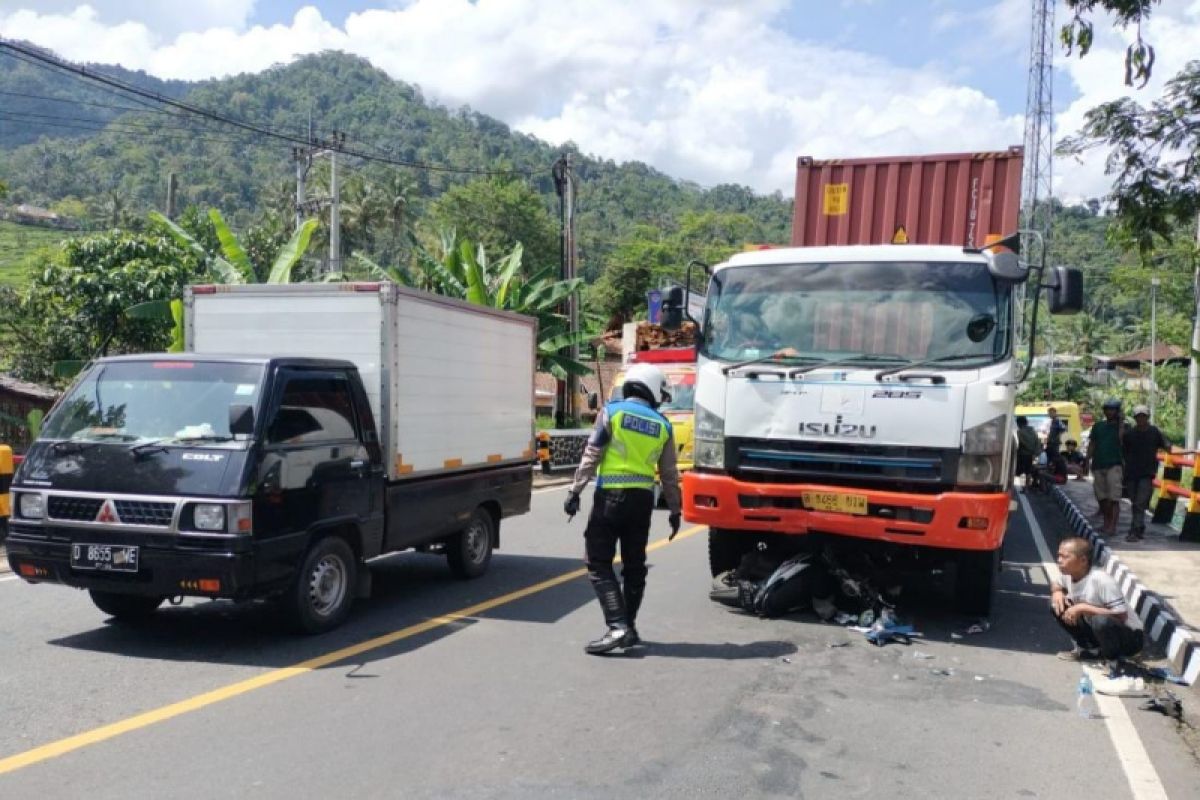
(863, 394)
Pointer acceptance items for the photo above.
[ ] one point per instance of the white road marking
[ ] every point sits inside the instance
(1135, 761)
(551, 489)
(10, 578)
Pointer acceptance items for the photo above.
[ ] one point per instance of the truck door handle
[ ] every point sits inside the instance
(358, 466)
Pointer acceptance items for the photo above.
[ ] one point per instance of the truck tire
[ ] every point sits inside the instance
(324, 589)
(975, 580)
(725, 549)
(469, 552)
(125, 607)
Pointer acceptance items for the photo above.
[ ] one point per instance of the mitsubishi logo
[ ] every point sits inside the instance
(108, 513)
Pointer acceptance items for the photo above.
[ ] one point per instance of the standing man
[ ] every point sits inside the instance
(629, 441)
(1141, 446)
(1107, 462)
(1054, 434)
(1028, 447)
(1090, 606)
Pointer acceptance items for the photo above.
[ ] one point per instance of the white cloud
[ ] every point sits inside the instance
(159, 17)
(705, 90)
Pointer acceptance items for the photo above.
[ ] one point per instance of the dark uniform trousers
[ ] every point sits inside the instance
(619, 516)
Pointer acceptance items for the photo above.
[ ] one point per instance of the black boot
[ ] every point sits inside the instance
(613, 606)
(633, 601)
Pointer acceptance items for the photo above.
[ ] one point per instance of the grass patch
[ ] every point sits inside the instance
(17, 245)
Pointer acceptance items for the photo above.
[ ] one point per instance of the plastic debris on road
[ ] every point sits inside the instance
(919, 654)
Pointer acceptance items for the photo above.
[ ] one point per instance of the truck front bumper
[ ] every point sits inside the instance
(952, 520)
(162, 572)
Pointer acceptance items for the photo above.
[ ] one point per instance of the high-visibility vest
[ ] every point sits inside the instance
(639, 434)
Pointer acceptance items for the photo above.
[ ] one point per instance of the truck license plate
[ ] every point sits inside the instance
(834, 501)
(104, 557)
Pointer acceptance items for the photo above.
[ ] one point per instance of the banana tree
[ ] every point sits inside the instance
(232, 265)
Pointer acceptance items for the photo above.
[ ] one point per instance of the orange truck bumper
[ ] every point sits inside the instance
(951, 520)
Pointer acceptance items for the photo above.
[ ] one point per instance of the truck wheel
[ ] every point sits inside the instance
(469, 552)
(976, 577)
(323, 592)
(725, 549)
(125, 607)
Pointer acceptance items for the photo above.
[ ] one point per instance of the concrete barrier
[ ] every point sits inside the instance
(6, 473)
(561, 449)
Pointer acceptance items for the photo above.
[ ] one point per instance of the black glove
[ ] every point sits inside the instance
(674, 520)
(571, 506)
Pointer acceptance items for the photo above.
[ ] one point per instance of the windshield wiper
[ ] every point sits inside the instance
(146, 448)
(778, 356)
(844, 362)
(925, 362)
(210, 437)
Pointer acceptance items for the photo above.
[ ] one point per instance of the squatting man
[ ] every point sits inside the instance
(1091, 607)
(630, 441)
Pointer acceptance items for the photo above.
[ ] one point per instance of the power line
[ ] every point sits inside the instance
(261, 130)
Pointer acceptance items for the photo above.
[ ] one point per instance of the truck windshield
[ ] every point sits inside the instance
(133, 401)
(683, 392)
(883, 311)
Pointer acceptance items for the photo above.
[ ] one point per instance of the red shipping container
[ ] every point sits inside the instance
(952, 198)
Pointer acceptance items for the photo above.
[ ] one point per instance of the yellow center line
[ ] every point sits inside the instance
(197, 702)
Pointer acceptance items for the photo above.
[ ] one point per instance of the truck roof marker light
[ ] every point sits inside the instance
(173, 365)
(364, 287)
(207, 288)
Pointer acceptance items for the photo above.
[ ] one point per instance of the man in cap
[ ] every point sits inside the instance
(1141, 444)
(1107, 459)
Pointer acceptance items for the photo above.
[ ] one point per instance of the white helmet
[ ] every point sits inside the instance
(652, 378)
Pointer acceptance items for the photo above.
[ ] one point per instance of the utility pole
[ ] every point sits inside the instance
(1193, 367)
(564, 184)
(172, 189)
(303, 161)
(304, 157)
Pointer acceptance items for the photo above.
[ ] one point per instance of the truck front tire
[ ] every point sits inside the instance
(469, 552)
(975, 580)
(125, 607)
(324, 589)
(726, 548)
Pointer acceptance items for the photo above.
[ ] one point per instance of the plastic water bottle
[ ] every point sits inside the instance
(1085, 702)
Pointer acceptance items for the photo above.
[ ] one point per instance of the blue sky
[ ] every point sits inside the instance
(711, 91)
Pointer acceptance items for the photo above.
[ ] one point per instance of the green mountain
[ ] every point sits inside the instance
(123, 168)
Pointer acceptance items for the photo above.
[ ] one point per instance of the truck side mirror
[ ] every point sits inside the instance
(1066, 291)
(672, 309)
(241, 419)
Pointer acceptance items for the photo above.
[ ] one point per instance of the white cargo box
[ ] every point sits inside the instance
(451, 384)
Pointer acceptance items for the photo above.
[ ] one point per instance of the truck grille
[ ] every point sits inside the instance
(75, 509)
(778, 461)
(138, 512)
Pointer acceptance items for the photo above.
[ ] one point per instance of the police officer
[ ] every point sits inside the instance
(629, 441)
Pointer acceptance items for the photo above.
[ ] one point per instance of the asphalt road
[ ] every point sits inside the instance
(210, 700)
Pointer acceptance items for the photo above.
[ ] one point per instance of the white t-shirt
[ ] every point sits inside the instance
(1098, 588)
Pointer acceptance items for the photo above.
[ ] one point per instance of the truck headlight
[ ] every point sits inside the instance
(980, 470)
(985, 439)
(32, 505)
(209, 517)
(708, 447)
